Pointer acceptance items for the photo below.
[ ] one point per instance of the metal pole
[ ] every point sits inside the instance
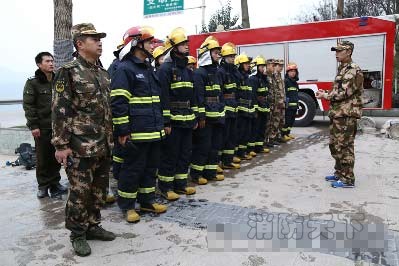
(203, 13)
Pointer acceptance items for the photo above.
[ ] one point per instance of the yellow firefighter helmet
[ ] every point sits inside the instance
(209, 44)
(176, 37)
(228, 48)
(160, 50)
(259, 60)
(241, 59)
(191, 60)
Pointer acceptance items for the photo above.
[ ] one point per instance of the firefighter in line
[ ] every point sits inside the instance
(138, 123)
(245, 108)
(228, 74)
(291, 90)
(270, 130)
(260, 87)
(159, 56)
(191, 63)
(208, 137)
(179, 114)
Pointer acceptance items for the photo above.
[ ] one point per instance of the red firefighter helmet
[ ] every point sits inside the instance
(138, 34)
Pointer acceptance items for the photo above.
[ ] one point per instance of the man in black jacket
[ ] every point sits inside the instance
(291, 90)
(37, 106)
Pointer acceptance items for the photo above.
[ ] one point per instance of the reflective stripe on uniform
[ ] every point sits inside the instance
(228, 151)
(263, 89)
(292, 89)
(166, 178)
(242, 147)
(120, 120)
(245, 88)
(229, 108)
(215, 114)
(181, 176)
(230, 86)
(211, 167)
(260, 143)
(214, 87)
(117, 159)
(166, 112)
(197, 167)
(292, 104)
(244, 109)
(146, 190)
(127, 195)
(143, 100)
(121, 92)
(182, 117)
(194, 108)
(148, 136)
(201, 109)
(263, 110)
(251, 144)
(182, 84)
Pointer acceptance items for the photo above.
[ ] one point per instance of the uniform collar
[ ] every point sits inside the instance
(86, 63)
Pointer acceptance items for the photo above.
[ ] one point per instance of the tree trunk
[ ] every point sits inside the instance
(244, 14)
(340, 9)
(63, 45)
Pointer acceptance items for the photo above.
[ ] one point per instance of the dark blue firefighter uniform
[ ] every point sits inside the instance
(260, 86)
(245, 114)
(137, 112)
(228, 76)
(291, 92)
(180, 113)
(207, 141)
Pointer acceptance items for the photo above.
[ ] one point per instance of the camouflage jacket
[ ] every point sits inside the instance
(346, 96)
(37, 101)
(81, 114)
(280, 92)
(272, 89)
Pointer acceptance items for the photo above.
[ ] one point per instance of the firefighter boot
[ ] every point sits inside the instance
(110, 198)
(132, 216)
(246, 157)
(236, 159)
(80, 246)
(252, 153)
(219, 170)
(186, 190)
(286, 138)
(218, 177)
(170, 195)
(153, 207)
(265, 150)
(200, 181)
(291, 136)
(96, 232)
(231, 166)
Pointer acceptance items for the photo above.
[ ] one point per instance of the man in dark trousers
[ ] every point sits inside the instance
(37, 106)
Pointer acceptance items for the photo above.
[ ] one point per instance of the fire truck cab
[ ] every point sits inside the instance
(309, 46)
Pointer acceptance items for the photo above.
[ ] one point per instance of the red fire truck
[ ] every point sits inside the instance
(309, 46)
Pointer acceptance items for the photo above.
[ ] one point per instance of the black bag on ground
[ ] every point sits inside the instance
(27, 156)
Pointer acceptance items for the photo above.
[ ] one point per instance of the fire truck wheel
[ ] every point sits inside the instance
(306, 110)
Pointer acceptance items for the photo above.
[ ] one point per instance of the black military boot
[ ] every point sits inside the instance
(57, 189)
(42, 192)
(80, 245)
(96, 232)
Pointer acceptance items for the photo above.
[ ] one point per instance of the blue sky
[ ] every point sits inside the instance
(30, 27)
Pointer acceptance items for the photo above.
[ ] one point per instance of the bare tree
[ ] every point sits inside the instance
(244, 14)
(222, 17)
(63, 46)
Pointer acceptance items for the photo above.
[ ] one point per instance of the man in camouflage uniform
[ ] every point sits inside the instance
(272, 127)
(37, 106)
(345, 108)
(82, 136)
(280, 99)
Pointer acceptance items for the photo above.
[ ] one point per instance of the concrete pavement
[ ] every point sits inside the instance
(289, 180)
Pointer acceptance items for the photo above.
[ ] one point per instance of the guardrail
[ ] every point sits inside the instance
(8, 102)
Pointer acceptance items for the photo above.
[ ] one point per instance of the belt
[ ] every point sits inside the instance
(244, 101)
(212, 99)
(180, 105)
(229, 95)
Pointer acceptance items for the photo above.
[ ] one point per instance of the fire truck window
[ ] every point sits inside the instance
(314, 58)
(372, 96)
(267, 50)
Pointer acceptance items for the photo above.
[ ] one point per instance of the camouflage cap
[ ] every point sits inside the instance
(280, 61)
(85, 29)
(344, 45)
(270, 61)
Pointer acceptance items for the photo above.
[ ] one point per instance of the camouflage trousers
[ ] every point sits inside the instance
(276, 122)
(342, 142)
(89, 178)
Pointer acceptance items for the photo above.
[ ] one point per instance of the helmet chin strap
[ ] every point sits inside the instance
(148, 54)
(178, 53)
